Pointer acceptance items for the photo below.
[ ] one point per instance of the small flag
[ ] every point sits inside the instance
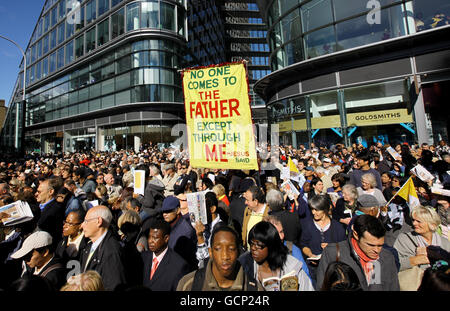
(408, 192)
(292, 166)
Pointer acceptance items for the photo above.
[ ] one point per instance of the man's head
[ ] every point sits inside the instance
(369, 232)
(254, 197)
(171, 209)
(363, 158)
(133, 204)
(368, 204)
(36, 250)
(96, 222)
(47, 190)
(158, 237)
(224, 251)
(4, 188)
(109, 179)
(275, 200)
(275, 220)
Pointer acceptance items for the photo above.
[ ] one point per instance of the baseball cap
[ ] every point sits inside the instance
(36, 240)
(367, 200)
(327, 160)
(170, 203)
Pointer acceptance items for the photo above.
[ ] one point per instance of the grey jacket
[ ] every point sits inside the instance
(406, 244)
(388, 280)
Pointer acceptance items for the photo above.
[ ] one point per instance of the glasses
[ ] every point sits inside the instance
(71, 223)
(257, 246)
(88, 220)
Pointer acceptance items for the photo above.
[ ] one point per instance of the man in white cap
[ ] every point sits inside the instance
(38, 255)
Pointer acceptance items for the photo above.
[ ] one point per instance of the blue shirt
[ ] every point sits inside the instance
(43, 205)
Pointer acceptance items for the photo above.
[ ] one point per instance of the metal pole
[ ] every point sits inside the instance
(23, 95)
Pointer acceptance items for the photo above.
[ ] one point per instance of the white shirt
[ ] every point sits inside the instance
(159, 257)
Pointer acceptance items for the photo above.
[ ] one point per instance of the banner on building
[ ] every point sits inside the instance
(218, 117)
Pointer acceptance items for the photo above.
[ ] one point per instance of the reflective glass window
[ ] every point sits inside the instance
(69, 52)
(70, 29)
(103, 32)
(133, 16)
(168, 16)
(320, 42)
(91, 13)
(53, 39)
(103, 6)
(430, 14)
(52, 62)
(54, 19)
(290, 26)
(45, 67)
(79, 46)
(118, 23)
(61, 33)
(45, 45)
(60, 58)
(90, 40)
(357, 31)
(315, 14)
(150, 15)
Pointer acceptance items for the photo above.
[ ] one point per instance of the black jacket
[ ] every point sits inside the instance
(107, 260)
(61, 250)
(55, 272)
(169, 271)
(51, 220)
(291, 225)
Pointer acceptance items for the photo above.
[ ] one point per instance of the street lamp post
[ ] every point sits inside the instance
(16, 143)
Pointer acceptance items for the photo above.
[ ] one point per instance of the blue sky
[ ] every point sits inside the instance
(17, 21)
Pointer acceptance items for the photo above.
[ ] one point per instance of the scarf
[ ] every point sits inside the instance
(366, 263)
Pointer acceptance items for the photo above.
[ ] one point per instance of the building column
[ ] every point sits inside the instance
(423, 133)
(100, 141)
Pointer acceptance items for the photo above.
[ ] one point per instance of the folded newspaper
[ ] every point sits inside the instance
(17, 212)
(422, 173)
(197, 207)
(290, 189)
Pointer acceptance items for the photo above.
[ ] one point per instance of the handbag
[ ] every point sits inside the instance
(410, 279)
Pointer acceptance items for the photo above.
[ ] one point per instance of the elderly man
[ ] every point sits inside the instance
(103, 253)
(52, 212)
(112, 188)
(169, 180)
(290, 221)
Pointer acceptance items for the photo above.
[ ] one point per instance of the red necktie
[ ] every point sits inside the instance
(154, 267)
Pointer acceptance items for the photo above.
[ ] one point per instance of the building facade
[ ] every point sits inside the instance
(357, 71)
(103, 74)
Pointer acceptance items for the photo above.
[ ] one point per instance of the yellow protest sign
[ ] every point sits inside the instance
(218, 117)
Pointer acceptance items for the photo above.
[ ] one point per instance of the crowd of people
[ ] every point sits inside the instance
(342, 227)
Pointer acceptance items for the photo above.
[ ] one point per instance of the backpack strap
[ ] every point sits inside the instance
(199, 278)
(51, 268)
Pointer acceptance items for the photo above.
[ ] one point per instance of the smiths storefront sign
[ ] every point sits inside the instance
(371, 118)
(379, 117)
(287, 111)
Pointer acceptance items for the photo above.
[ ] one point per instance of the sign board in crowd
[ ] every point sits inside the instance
(218, 117)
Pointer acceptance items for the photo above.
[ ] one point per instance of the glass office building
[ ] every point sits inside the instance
(102, 74)
(357, 71)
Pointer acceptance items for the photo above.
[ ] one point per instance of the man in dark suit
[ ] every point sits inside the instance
(103, 253)
(163, 267)
(52, 212)
(183, 238)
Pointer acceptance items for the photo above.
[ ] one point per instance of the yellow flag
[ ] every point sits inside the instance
(292, 167)
(408, 192)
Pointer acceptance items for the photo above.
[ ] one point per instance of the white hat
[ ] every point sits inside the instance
(327, 160)
(36, 240)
